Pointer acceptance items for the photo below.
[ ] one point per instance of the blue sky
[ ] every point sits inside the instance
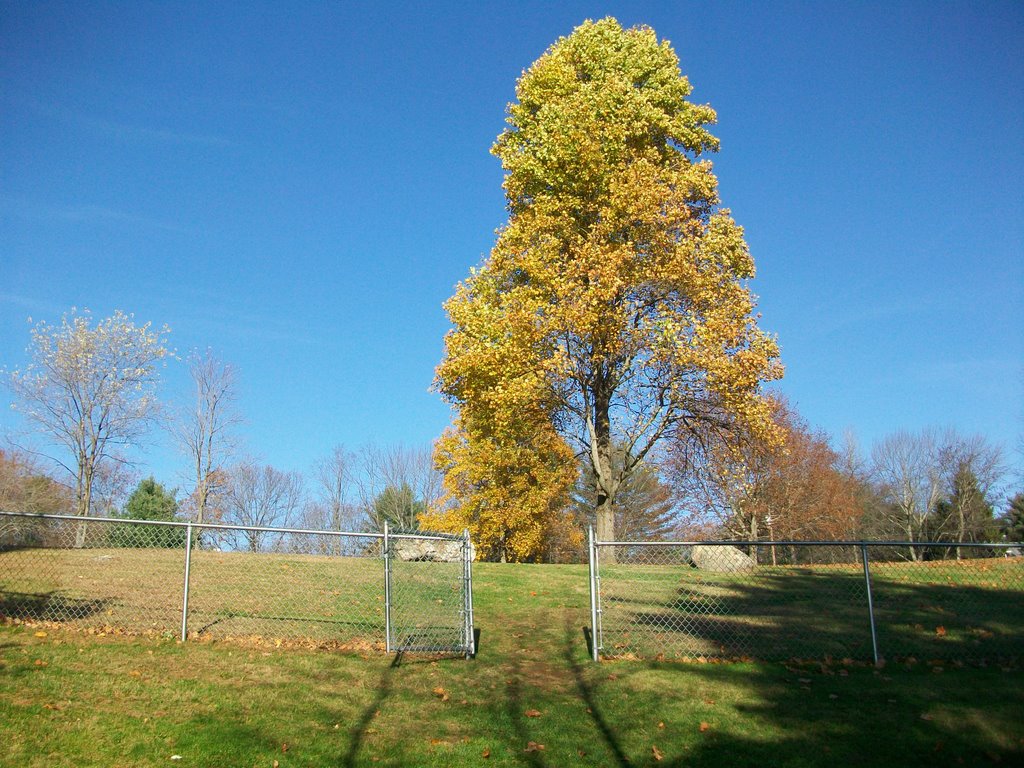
(300, 186)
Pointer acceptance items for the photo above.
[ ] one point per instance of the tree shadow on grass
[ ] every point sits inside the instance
(358, 731)
(587, 692)
(49, 606)
(808, 614)
(768, 715)
(513, 705)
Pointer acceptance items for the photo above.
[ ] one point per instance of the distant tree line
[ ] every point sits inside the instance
(89, 392)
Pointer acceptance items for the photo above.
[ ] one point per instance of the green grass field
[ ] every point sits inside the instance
(531, 697)
(333, 601)
(969, 609)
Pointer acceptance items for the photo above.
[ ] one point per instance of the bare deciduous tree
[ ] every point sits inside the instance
(333, 507)
(396, 467)
(261, 496)
(205, 429)
(971, 469)
(906, 466)
(90, 390)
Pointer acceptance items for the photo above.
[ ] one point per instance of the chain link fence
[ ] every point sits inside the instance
(721, 600)
(345, 590)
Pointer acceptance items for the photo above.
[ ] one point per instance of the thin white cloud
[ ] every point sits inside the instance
(126, 131)
(80, 214)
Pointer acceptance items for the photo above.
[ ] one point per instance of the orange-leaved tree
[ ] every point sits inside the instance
(613, 310)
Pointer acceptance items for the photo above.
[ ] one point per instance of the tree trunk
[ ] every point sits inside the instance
(753, 538)
(963, 526)
(84, 502)
(914, 555)
(606, 526)
(601, 454)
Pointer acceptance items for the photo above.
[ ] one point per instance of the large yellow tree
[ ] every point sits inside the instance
(613, 309)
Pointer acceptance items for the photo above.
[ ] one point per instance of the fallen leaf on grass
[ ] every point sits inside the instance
(485, 754)
(533, 746)
(704, 727)
(284, 748)
(41, 663)
(926, 716)
(40, 634)
(661, 725)
(441, 693)
(940, 631)
(657, 753)
(532, 713)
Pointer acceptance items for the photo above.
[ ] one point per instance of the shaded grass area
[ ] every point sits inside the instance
(71, 699)
(970, 609)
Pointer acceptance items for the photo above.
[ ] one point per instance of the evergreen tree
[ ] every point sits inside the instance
(149, 501)
(399, 507)
(1012, 521)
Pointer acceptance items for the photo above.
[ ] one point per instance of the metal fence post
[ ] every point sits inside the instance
(467, 586)
(387, 590)
(591, 559)
(871, 602)
(188, 566)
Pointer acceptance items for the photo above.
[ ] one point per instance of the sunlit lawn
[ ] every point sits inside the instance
(531, 697)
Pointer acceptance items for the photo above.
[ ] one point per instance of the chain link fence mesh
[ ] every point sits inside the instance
(793, 600)
(262, 586)
(427, 584)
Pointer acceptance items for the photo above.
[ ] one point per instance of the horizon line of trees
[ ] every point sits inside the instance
(930, 485)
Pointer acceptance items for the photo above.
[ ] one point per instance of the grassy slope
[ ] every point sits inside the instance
(72, 699)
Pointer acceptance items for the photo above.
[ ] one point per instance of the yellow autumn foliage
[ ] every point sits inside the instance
(614, 305)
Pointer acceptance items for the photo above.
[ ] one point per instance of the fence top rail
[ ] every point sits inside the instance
(220, 526)
(787, 543)
(186, 524)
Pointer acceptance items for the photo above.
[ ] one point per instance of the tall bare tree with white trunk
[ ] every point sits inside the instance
(205, 428)
(907, 467)
(332, 507)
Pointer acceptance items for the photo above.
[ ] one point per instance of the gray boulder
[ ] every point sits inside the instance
(720, 559)
(428, 550)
